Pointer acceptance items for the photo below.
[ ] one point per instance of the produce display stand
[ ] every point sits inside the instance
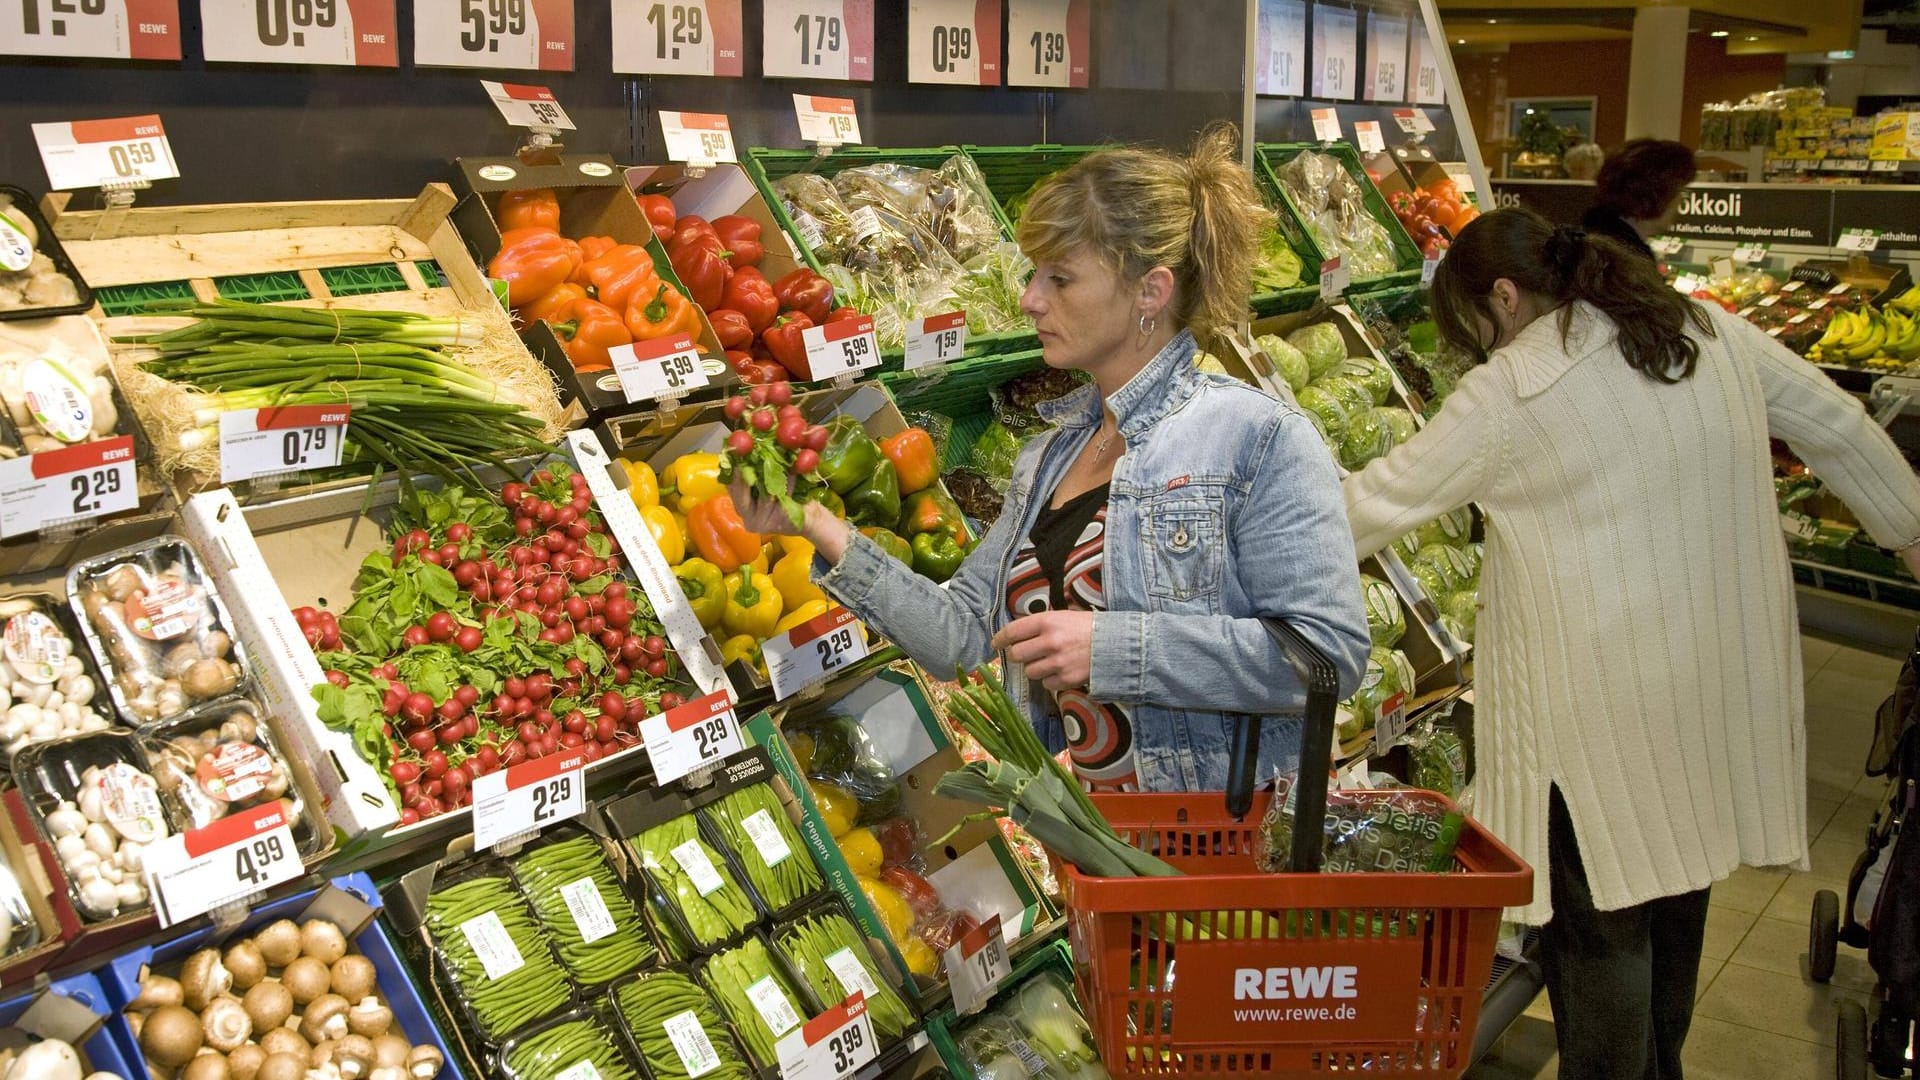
(1269, 157)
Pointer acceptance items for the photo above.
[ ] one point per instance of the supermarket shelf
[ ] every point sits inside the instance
(1511, 988)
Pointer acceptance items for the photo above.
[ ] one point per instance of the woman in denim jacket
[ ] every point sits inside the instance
(1169, 511)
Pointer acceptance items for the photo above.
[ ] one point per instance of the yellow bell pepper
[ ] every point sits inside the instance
(743, 648)
(692, 479)
(706, 590)
(793, 574)
(642, 485)
(753, 605)
(805, 611)
(666, 533)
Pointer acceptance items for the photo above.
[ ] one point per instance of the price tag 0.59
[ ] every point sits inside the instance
(833, 1045)
(701, 139)
(691, 737)
(815, 649)
(841, 348)
(976, 965)
(292, 438)
(662, 367)
(517, 802)
(242, 854)
(97, 153)
(86, 481)
(936, 339)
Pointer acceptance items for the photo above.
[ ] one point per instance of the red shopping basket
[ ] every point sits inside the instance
(1229, 971)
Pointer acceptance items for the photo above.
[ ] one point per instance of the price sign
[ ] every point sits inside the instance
(513, 803)
(244, 853)
(815, 649)
(1335, 48)
(953, 42)
(529, 35)
(1769, 300)
(1685, 283)
(96, 153)
(291, 438)
(1748, 254)
(976, 965)
(1461, 176)
(829, 121)
(818, 39)
(697, 138)
(1793, 287)
(1326, 125)
(1366, 135)
(1386, 58)
(1858, 240)
(1391, 724)
(841, 348)
(691, 736)
(115, 29)
(1427, 88)
(345, 33)
(1281, 48)
(1666, 245)
(1049, 42)
(832, 1045)
(1413, 121)
(693, 37)
(936, 339)
(77, 482)
(1334, 278)
(1430, 266)
(1721, 268)
(527, 106)
(661, 367)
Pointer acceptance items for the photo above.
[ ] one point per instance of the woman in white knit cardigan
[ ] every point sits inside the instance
(1639, 728)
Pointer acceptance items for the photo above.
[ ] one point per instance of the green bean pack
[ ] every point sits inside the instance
(484, 912)
(791, 876)
(577, 897)
(746, 980)
(826, 949)
(711, 918)
(581, 1038)
(651, 1004)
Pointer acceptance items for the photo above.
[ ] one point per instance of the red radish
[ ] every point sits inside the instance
(817, 439)
(469, 638)
(605, 729)
(622, 674)
(619, 612)
(806, 461)
(436, 763)
(415, 636)
(516, 686)
(459, 532)
(763, 420)
(657, 668)
(418, 706)
(404, 772)
(451, 709)
(573, 738)
(758, 395)
(740, 443)
(792, 433)
(409, 816)
(466, 695)
(613, 705)
(576, 721)
(654, 645)
(441, 626)
(449, 553)
(780, 393)
(339, 679)
(512, 492)
(670, 701)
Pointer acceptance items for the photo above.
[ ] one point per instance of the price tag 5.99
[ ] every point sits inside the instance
(976, 965)
(244, 853)
(527, 106)
(833, 1045)
(841, 348)
(697, 138)
(691, 736)
(527, 35)
(662, 367)
(86, 481)
(813, 650)
(98, 153)
(292, 438)
(515, 802)
(936, 339)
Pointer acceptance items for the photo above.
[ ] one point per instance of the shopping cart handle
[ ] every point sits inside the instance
(1322, 682)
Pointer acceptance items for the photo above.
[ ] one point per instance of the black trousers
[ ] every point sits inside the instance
(1621, 982)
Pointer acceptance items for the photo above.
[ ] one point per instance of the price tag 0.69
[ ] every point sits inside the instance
(662, 367)
(86, 481)
(192, 873)
(936, 339)
(976, 965)
(516, 802)
(691, 736)
(99, 153)
(841, 348)
(833, 1045)
(292, 438)
(815, 649)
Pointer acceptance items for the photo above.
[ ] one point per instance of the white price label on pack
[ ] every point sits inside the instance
(512, 803)
(347, 33)
(817, 39)
(693, 862)
(588, 909)
(579, 1070)
(1748, 254)
(767, 839)
(850, 973)
(1366, 136)
(491, 944)
(1282, 47)
(829, 121)
(114, 29)
(1048, 42)
(1336, 50)
(96, 153)
(976, 965)
(704, 139)
(1858, 240)
(690, 1043)
(1334, 278)
(86, 481)
(936, 339)
(691, 736)
(1798, 525)
(291, 438)
(830, 1046)
(813, 650)
(1326, 125)
(771, 1002)
(953, 42)
(244, 853)
(660, 367)
(527, 106)
(841, 348)
(514, 35)
(677, 37)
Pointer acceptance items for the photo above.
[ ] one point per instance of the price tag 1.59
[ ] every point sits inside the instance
(86, 481)
(818, 39)
(1326, 125)
(828, 121)
(936, 339)
(691, 736)
(817, 648)
(349, 33)
(527, 106)
(661, 367)
(953, 42)
(841, 348)
(830, 1046)
(703, 139)
(523, 35)
(125, 30)
(242, 854)
(513, 803)
(976, 965)
(97, 153)
(689, 37)
(291, 438)
(1048, 43)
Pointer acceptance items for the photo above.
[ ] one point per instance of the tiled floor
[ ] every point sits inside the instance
(1760, 1015)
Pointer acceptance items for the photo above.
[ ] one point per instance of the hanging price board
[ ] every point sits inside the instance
(528, 35)
(829, 121)
(817, 39)
(1425, 71)
(1334, 278)
(1049, 42)
(1366, 136)
(813, 650)
(841, 348)
(346, 33)
(936, 339)
(96, 153)
(516, 802)
(692, 37)
(1281, 48)
(697, 138)
(1335, 53)
(1858, 240)
(246, 852)
(953, 42)
(114, 29)
(660, 367)
(1386, 58)
(830, 1046)
(527, 106)
(691, 736)
(1326, 125)
(291, 438)
(976, 965)
(86, 481)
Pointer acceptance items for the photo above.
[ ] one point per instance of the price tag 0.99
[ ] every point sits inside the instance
(953, 42)
(700, 139)
(822, 646)
(936, 339)
(661, 367)
(100, 153)
(829, 121)
(527, 106)
(242, 854)
(841, 348)
(514, 803)
(976, 965)
(833, 1045)
(291, 438)
(692, 736)
(86, 481)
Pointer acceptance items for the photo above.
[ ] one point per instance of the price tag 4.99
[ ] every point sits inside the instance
(841, 348)
(86, 481)
(99, 153)
(817, 648)
(662, 367)
(242, 854)
(514, 803)
(691, 737)
(833, 1045)
(976, 965)
(291, 438)
(828, 121)
(699, 139)
(936, 339)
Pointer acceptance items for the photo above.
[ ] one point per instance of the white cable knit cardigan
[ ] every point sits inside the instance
(1637, 643)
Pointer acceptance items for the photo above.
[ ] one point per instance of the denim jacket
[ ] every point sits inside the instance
(1224, 508)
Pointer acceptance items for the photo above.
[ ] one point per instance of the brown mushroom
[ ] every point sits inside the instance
(171, 1036)
(279, 942)
(208, 1065)
(269, 1004)
(202, 978)
(324, 1018)
(282, 1067)
(322, 1054)
(388, 1072)
(424, 1061)
(353, 1056)
(390, 1051)
(246, 963)
(323, 941)
(306, 979)
(352, 977)
(370, 1017)
(135, 1021)
(155, 991)
(244, 1062)
(285, 1040)
(226, 1025)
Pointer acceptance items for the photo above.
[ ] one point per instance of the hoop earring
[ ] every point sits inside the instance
(1147, 325)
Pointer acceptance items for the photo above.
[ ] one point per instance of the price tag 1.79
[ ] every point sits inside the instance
(841, 348)
(817, 648)
(661, 367)
(1283, 39)
(192, 873)
(953, 42)
(524, 35)
(86, 481)
(98, 153)
(527, 106)
(291, 438)
(976, 965)
(350, 33)
(936, 339)
(689, 37)
(516, 802)
(818, 39)
(828, 121)
(691, 736)
(833, 1045)
(703, 139)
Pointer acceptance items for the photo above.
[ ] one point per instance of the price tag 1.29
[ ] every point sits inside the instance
(677, 37)
(833, 1045)
(1336, 49)
(828, 121)
(86, 481)
(349, 33)
(513, 803)
(129, 30)
(242, 854)
(691, 737)
(976, 965)
(936, 339)
(953, 42)
(817, 648)
(661, 367)
(841, 348)
(527, 106)
(291, 438)
(703, 139)
(98, 153)
(818, 39)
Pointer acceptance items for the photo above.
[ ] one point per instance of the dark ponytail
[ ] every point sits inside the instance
(1563, 264)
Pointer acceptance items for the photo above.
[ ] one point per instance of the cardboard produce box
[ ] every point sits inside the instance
(74, 1010)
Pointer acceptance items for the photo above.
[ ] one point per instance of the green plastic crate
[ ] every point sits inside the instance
(271, 288)
(363, 280)
(133, 299)
(1270, 156)
(431, 273)
(960, 391)
(943, 1027)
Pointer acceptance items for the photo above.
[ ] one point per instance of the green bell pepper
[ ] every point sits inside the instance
(936, 555)
(830, 499)
(850, 456)
(875, 500)
(890, 543)
(930, 510)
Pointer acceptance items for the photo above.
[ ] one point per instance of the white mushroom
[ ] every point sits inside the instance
(68, 820)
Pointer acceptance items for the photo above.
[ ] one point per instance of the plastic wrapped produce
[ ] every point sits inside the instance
(996, 1048)
(1328, 410)
(1442, 568)
(585, 912)
(499, 964)
(692, 880)
(1334, 210)
(1402, 831)
(1370, 434)
(756, 993)
(1288, 360)
(1369, 373)
(158, 628)
(49, 689)
(1439, 759)
(95, 800)
(1386, 616)
(764, 841)
(830, 955)
(679, 1029)
(220, 758)
(562, 1046)
(1323, 346)
(1455, 528)
(1352, 393)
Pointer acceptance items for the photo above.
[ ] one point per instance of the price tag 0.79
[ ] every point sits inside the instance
(292, 438)
(841, 348)
(242, 854)
(976, 965)
(936, 339)
(833, 1045)
(662, 367)
(817, 648)
(86, 481)
(519, 801)
(690, 737)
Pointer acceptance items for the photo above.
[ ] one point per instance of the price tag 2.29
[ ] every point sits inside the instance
(86, 481)
(292, 438)
(702, 139)
(813, 650)
(841, 348)
(832, 1045)
(513, 803)
(661, 367)
(976, 965)
(242, 854)
(1858, 240)
(936, 339)
(829, 121)
(527, 106)
(691, 737)
(98, 153)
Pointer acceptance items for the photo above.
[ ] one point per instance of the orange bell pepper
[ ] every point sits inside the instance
(913, 457)
(532, 262)
(528, 208)
(591, 328)
(720, 535)
(620, 275)
(591, 248)
(552, 306)
(666, 313)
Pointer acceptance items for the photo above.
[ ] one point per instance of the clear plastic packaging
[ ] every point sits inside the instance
(94, 798)
(830, 955)
(497, 961)
(579, 1045)
(583, 906)
(764, 843)
(679, 1029)
(220, 758)
(1401, 831)
(692, 884)
(158, 628)
(1334, 209)
(49, 686)
(18, 930)
(996, 1048)
(759, 995)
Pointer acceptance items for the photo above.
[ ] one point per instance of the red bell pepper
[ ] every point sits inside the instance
(750, 293)
(742, 237)
(552, 305)
(590, 330)
(660, 214)
(532, 261)
(806, 292)
(700, 260)
(784, 343)
(528, 208)
(843, 314)
(694, 225)
(731, 328)
(753, 370)
(621, 275)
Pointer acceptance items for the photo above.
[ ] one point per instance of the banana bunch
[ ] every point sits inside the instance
(1903, 331)
(1853, 336)
(1907, 303)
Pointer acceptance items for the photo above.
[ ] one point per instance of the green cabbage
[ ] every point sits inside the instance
(1399, 421)
(1386, 618)
(1441, 569)
(1388, 675)
(1368, 436)
(1458, 612)
(1322, 345)
(1369, 373)
(1331, 412)
(1454, 527)
(1289, 361)
(1351, 393)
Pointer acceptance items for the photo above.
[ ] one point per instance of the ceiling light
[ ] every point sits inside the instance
(1491, 22)
(1459, 41)
(1718, 33)
(1529, 112)
(1751, 37)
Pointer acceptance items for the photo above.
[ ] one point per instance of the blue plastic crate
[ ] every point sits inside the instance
(104, 1051)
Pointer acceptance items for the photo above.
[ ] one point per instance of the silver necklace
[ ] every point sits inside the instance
(1100, 445)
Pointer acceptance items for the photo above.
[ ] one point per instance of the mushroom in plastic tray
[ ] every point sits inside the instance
(48, 686)
(220, 758)
(18, 930)
(55, 386)
(158, 628)
(95, 799)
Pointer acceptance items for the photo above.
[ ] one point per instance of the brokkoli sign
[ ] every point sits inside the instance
(1323, 990)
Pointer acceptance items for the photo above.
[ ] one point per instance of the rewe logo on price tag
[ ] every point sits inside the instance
(1334, 278)
(244, 853)
(1326, 125)
(95, 153)
(86, 481)
(841, 348)
(528, 35)
(513, 803)
(691, 737)
(1413, 121)
(830, 1046)
(1366, 136)
(352, 33)
(936, 339)
(1858, 240)
(291, 438)
(815, 649)
(976, 965)
(661, 367)
(527, 106)
(698, 138)
(829, 121)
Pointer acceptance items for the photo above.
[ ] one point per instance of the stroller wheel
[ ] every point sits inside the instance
(1823, 935)
(1887, 1042)
(1850, 1041)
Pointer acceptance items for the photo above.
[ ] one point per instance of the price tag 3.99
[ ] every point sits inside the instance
(829, 121)
(830, 1046)
(817, 648)
(527, 106)
(662, 367)
(699, 139)
(242, 854)
(976, 965)
(936, 339)
(86, 481)
(97, 153)
(691, 737)
(292, 438)
(514, 803)
(841, 348)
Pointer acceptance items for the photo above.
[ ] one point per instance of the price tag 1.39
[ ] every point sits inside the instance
(513, 803)
(815, 649)
(527, 106)
(841, 348)
(242, 854)
(936, 339)
(98, 153)
(828, 121)
(661, 367)
(833, 1045)
(976, 965)
(702, 139)
(691, 737)
(1048, 43)
(86, 481)
(291, 438)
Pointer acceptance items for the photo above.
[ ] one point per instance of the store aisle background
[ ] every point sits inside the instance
(1759, 1012)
